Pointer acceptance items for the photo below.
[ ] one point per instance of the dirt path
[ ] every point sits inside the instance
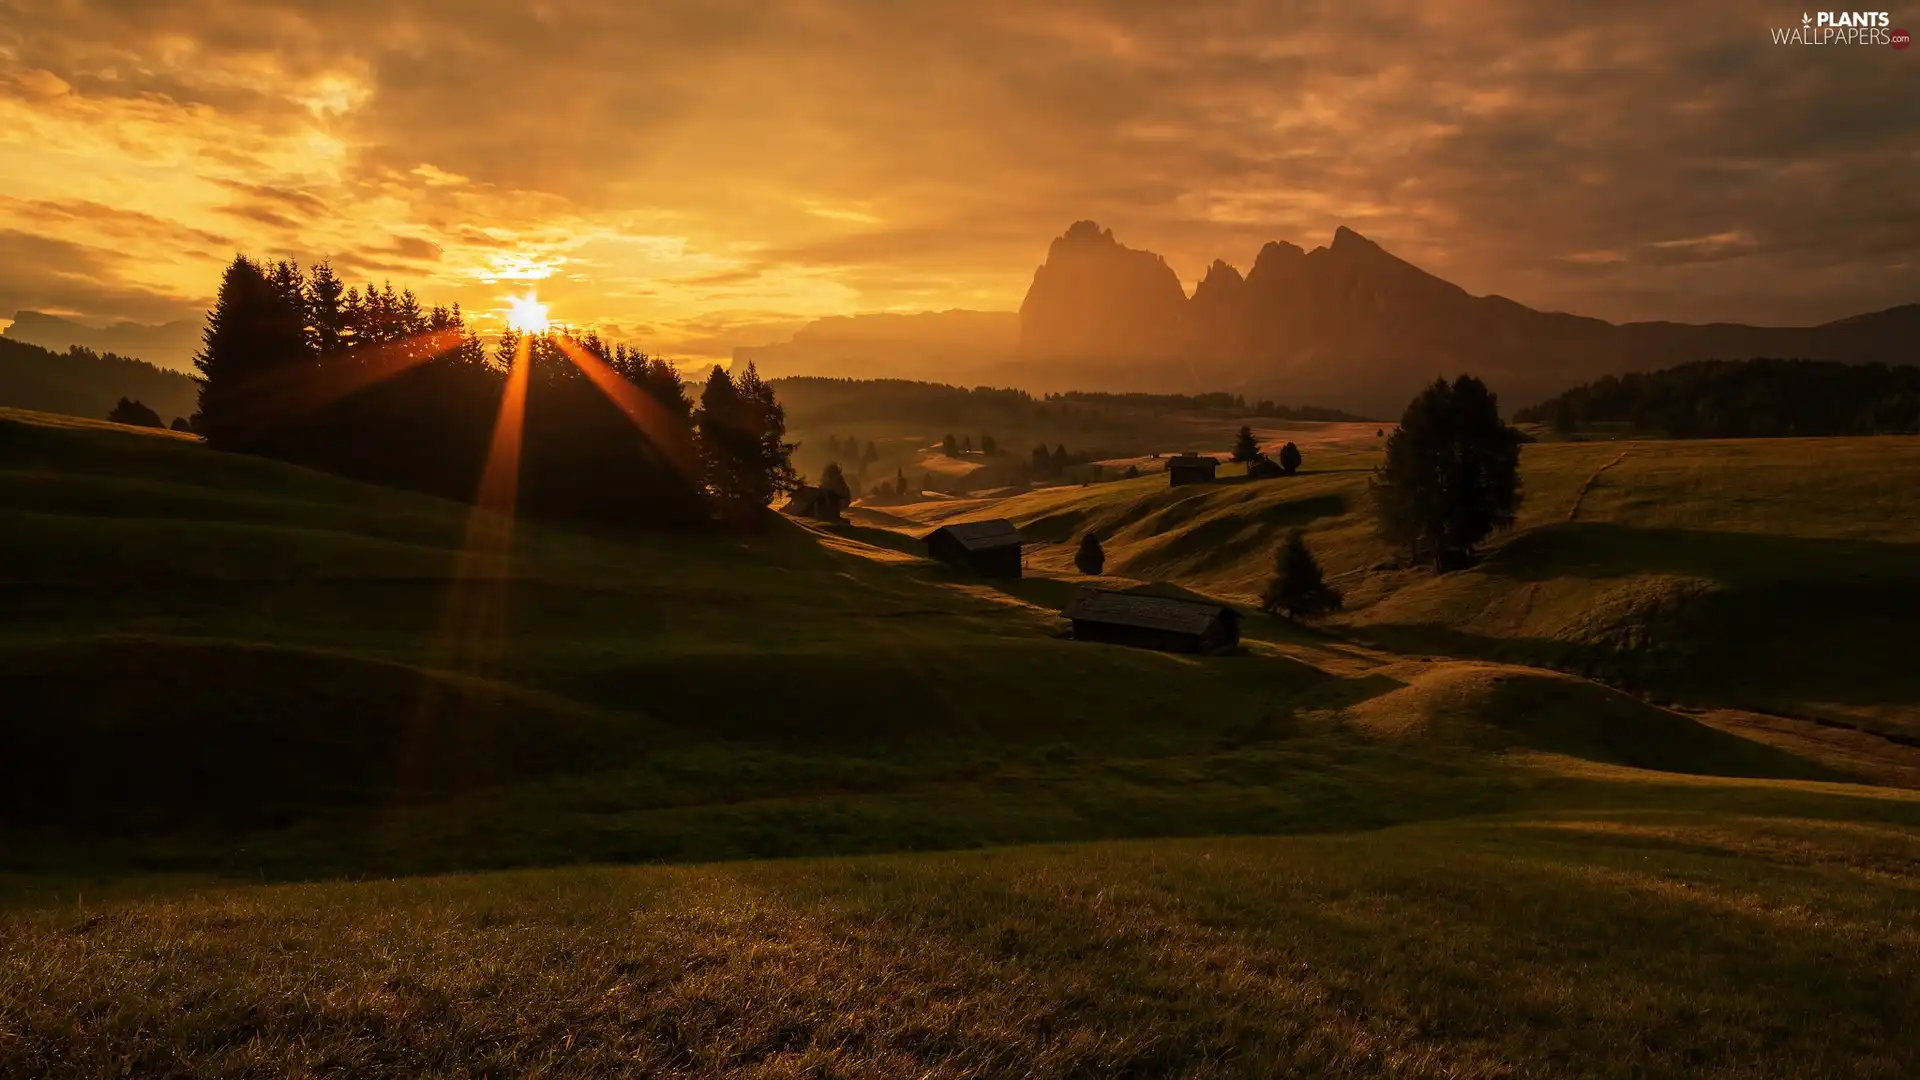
(1580, 499)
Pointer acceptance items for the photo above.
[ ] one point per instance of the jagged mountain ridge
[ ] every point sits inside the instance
(1352, 326)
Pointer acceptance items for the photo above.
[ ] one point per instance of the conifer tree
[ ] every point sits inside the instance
(1297, 588)
(1245, 447)
(253, 335)
(727, 443)
(1090, 559)
(327, 324)
(771, 467)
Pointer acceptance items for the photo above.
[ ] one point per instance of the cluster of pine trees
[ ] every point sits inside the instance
(373, 385)
(1733, 399)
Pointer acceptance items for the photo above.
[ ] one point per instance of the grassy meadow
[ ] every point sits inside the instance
(295, 785)
(1776, 575)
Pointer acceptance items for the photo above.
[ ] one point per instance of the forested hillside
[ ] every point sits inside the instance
(1733, 399)
(81, 382)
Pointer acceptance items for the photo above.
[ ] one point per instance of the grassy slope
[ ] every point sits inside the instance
(1600, 944)
(1773, 574)
(177, 622)
(202, 647)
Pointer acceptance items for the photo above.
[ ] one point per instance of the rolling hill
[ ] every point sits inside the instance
(1776, 575)
(238, 691)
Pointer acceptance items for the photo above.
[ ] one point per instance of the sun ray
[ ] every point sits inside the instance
(473, 625)
(295, 390)
(475, 609)
(666, 432)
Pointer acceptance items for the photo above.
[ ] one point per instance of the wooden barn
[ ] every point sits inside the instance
(1191, 469)
(988, 548)
(1153, 622)
(817, 503)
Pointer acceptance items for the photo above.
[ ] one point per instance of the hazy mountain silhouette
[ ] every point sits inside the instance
(1352, 326)
(944, 346)
(1096, 298)
(167, 345)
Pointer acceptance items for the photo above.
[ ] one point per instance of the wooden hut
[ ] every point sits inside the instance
(817, 503)
(1153, 622)
(1191, 468)
(988, 548)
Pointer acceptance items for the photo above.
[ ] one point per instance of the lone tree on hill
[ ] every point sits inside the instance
(1289, 459)
(966, 445)
(1245, 446)
(988, 446)
(1297, 588)
(950, 446)
(1090, 559)
(134, 413)
(1452, 474)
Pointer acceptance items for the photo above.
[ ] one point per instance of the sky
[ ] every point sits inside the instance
(694, 176)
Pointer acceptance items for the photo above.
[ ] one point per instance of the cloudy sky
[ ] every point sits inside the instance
(696, 175)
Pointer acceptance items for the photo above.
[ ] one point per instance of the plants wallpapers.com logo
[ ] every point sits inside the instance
(1843, 28)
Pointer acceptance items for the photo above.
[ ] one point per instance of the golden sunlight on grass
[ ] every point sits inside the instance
(527, 314)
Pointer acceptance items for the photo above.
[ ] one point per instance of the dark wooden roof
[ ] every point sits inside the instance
(1193, 461)
(1150, 612)
(980, 535)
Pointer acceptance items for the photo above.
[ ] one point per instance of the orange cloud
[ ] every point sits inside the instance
(662, 164)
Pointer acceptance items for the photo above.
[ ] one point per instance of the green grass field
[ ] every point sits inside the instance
(292, 788)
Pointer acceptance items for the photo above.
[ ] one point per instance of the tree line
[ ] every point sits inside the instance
(1733, 399)
(373, 385)
(1217, 401)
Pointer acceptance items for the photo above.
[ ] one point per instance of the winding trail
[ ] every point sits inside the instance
(1580, 499)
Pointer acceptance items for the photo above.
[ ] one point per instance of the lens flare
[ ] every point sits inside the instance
(527, 314)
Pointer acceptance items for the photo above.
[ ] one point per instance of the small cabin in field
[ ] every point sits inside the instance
(988, 548)
(816, 503)
(1191, 468)
(1153, 622)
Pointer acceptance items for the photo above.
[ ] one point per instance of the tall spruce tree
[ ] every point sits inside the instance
(770, 469)
(254, 336)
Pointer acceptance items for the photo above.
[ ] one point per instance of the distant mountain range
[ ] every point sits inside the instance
(1348, 325)
(167, 345)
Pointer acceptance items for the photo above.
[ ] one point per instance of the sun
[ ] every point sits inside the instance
(527, 314)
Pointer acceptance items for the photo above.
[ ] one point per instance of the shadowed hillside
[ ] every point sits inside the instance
(83, 383)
